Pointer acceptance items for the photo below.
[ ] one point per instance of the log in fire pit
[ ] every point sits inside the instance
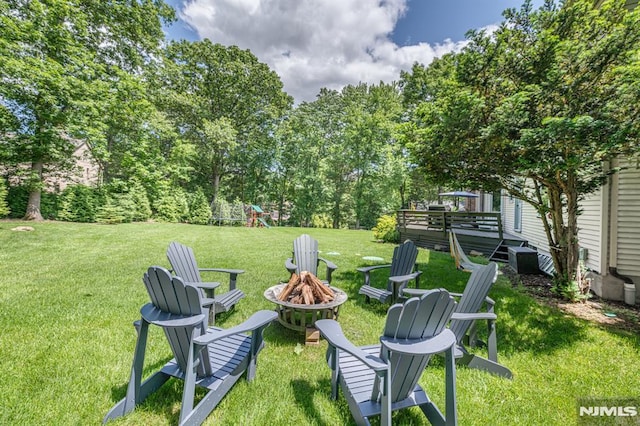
(304, 300)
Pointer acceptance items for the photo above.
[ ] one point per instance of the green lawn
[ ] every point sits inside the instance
(70, 292)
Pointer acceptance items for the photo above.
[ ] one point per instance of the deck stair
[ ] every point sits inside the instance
(545, 263)
(501, 253)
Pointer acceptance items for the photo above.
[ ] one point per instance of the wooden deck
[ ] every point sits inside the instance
(478, 231)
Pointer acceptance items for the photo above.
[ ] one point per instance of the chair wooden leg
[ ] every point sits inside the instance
(450, 379)
(385, 415)
(189, 389)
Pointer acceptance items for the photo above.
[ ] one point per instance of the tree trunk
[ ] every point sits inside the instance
(35, 194)
(564, 247)
(215, 181)
(336, 213)
(572, 228)
(555, 233)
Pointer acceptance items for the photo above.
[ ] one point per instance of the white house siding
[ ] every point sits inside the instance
(589, 223)
(485, 202)
(590, 230)
(507, 213)
(531, 229)
(628, 222)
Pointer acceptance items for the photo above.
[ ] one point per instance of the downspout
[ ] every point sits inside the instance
(614, 271)
(613, 236)
(612, 194)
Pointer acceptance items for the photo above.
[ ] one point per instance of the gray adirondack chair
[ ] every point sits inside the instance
(379, 379)
(183, 262)
(402, 270)
(306, 258)
(475, 305)
(213, 358)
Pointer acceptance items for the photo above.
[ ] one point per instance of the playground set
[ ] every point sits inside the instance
(257, 217)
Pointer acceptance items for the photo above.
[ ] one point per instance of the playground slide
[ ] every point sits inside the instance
(266, 225)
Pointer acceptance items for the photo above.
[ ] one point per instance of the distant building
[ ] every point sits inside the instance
(85, 171)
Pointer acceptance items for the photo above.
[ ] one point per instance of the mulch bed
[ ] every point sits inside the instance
(605, 312)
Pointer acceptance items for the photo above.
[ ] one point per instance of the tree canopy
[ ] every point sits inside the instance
(539, 108)
(225, 103)
(57, 59)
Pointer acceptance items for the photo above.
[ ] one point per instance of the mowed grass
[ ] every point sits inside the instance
(69, 294)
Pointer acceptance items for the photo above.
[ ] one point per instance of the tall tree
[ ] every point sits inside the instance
(339, 155)
(535, 108)
(301, 148)
(372, 116)
(56, 59)
(215, 94)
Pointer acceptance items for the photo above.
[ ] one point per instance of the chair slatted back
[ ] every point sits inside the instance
(173, 297)
(403, 261)
(474, 295)
(416, 319)
(183, 262)
(305, 254)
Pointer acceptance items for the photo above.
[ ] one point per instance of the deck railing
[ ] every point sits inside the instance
(439, 221)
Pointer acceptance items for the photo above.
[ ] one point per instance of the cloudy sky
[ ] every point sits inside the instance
(331, 43)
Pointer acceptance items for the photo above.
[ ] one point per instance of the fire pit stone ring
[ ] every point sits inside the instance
(299, 317)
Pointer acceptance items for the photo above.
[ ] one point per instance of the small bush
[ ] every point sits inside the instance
(386, 229)
(17, 198)
(130, 198)
(78, 203)
(111, 213)
(199, 210)
(321, 221)
(172, 205)
(4, 207)
(576, 290)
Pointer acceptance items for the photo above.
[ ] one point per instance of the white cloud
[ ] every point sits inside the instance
(314, 43)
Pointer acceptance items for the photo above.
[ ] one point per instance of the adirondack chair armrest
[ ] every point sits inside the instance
(474, 316)
(433, 345)
(233, 274)
(208, 288)
(224, 270)
(290, 266)
(204, 286)
(256, 321)
(208, 302)
(404, 278)
(332, 332)
(490, 302)
(155, 316)
(367, 269)
(330, 267)
(330, 264)
(417, 292)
